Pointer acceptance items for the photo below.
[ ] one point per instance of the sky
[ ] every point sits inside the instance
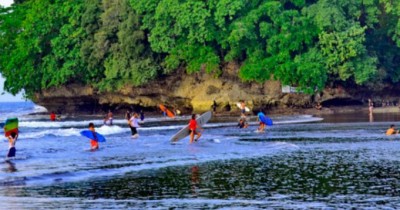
(7, 97)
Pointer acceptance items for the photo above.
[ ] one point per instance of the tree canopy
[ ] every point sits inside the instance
(112, 43)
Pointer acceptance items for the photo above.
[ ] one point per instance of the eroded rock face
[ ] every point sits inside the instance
(188, 93)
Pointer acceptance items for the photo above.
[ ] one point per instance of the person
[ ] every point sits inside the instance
(141, 115)
(127, 115)
(12, 139)
(318, 106)
(262, 125)
(243, 108)
(370, 105)
(109, 118)
(164, 112)
(134, 124)
(243, 123)
(193, 127)
(53, 116)
(214, 106)
(392, 130)
(94, 145)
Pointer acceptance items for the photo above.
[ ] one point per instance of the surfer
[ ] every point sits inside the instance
(261, 128)
(109, 118)
(12, 139)
(193, 126)
(134, 124)
(243, 108)
(53, 116)
(392, 130)
(94, 145)
(243, 123)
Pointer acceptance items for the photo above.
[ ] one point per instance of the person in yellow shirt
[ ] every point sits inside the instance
(391, 131)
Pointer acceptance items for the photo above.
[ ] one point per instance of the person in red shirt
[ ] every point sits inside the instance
(94, 145)
(193, 129)
(53, 116)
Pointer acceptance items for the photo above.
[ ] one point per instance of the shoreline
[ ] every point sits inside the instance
(236, 112)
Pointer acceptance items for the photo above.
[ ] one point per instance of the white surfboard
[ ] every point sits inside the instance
(245, 108)
(203, 119)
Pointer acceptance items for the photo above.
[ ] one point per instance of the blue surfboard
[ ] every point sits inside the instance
(266, 120)
(93, 135)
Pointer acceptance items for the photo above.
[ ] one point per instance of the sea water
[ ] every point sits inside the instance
(344, 162)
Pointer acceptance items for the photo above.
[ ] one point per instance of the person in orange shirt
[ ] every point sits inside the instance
(94, 145)
(192, 129)
(53, 116)
(391, 131)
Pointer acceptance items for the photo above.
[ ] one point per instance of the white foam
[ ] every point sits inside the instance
(109, 130)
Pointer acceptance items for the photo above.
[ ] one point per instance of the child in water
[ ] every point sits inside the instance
(192, 129)
(12, 139)
(94, 145)
(392, 130)
(242, 123)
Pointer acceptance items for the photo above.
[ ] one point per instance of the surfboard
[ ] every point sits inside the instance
(266, 120)
(11, 125)
(240, 107)
(164, 109)
(90, 134)
(203, 119)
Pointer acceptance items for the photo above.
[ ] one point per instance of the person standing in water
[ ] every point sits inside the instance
(134, 124)
(392, 130)
(193, 126)
(243, 123)
(109, 118)
(261, 128)
(370, 106)
(94, 144)
(141, 115)
(12, 139)
(53, 116)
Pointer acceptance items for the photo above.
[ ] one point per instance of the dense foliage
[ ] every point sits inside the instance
(111, 43)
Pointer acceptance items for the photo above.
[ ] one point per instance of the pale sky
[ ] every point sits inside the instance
(7, 97)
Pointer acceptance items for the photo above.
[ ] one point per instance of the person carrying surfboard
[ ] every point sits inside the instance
(134, 124)
(261, 128)
(12, 139)
(193, 127)
(243, 108)
(94, 145)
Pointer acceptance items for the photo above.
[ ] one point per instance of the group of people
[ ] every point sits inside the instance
(243, 119)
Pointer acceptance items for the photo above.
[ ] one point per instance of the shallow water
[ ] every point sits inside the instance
(329, 165)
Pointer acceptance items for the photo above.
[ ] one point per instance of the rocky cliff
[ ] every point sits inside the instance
(192, 93)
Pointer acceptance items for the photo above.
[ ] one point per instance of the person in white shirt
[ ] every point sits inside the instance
(12, 139)
(134, 124)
